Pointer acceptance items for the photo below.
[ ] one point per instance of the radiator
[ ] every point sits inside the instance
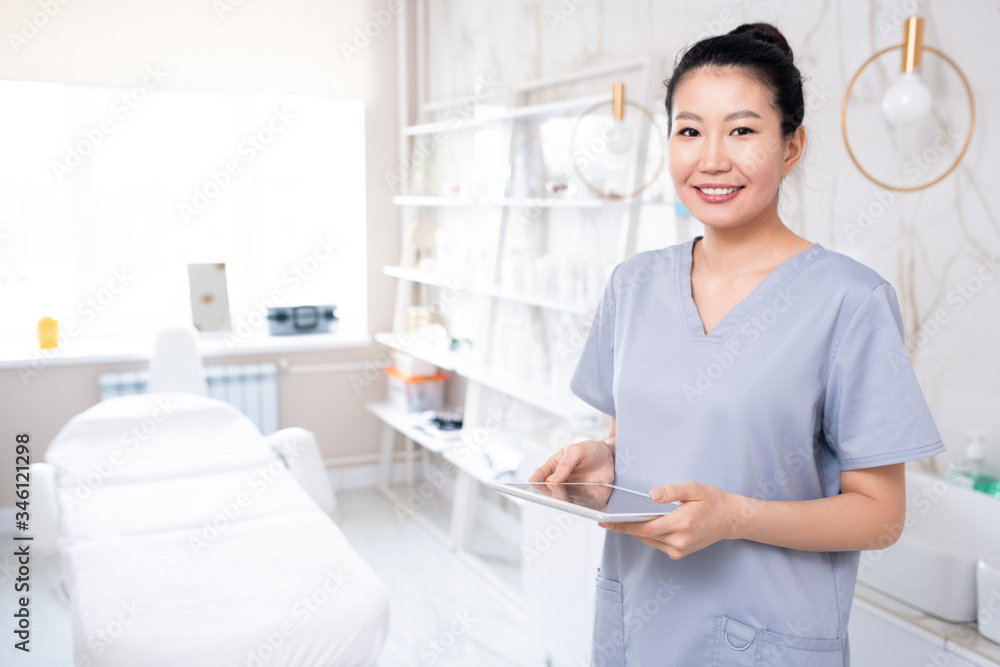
(253, 388)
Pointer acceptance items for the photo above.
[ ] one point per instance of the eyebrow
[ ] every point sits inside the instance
(736, 115)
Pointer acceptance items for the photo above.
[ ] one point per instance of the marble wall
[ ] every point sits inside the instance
(940, 247)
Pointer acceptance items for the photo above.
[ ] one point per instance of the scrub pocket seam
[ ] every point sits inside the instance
(764, 643)
(609, 598)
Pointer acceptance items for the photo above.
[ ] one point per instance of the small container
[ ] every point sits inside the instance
(48, 333)
(972, 471)
(410, 366)
(417, 317)
(415, 393)
(285, 320)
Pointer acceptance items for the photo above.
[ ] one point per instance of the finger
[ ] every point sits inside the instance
(682, 492)
(672, 553)
(546, 469)
(660, 526)
(570, 457)
(628, 527)
(556, 491)
(657, 542)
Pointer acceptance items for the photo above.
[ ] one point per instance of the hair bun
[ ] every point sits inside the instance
(764, 32)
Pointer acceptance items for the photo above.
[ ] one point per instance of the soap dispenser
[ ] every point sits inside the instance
(971, 472)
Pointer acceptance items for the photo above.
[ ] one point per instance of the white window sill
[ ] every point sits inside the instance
(25, 354)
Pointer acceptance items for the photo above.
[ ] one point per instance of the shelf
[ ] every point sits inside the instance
(525, 202)
(518, 112)
(568, 406)
(404, 423)
(443, 360)
(478, 467)
(426, 277)
(550, 304)
(458, 284)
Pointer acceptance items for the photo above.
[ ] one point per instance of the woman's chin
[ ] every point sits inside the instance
(719, 222)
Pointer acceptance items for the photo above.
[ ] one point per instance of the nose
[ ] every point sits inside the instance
(714, 158)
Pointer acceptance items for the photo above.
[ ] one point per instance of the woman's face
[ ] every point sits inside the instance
(727, 155)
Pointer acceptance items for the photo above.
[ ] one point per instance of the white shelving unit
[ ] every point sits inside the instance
(512, 113)
(462, 284)
(526, 202)
(490, 215)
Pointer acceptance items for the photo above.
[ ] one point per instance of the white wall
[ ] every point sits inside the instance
(286, 46)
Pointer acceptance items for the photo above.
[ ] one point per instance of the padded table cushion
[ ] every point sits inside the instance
(231, 563)
(154, 436)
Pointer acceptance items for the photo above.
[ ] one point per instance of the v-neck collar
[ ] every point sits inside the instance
(771, 283)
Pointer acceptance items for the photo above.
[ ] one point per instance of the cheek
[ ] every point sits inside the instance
(680, 159)
(760, 160)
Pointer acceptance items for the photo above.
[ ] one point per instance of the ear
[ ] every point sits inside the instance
(793, 151)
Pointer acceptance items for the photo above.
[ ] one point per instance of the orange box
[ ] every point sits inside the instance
(415, 393)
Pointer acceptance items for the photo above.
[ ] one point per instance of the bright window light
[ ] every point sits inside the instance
(110, 192)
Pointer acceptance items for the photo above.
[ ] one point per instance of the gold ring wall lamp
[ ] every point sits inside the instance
(908, 99)
(618, 104)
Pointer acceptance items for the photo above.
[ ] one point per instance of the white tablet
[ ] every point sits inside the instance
(601, 502)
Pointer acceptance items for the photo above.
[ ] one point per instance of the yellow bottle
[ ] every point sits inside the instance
(48, 333)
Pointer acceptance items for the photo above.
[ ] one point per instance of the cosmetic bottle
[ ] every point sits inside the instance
(48, 333)
(972, 472)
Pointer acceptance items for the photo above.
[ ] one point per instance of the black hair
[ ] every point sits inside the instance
(762, 51)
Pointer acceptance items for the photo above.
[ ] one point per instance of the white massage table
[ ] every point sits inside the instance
(187, 540)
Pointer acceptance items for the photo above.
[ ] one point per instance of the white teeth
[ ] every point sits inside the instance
(718, 191)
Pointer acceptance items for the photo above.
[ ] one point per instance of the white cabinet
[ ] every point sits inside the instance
(511, 225)
(879, 638)
(560, 556)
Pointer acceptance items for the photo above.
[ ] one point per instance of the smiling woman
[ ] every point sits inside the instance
(760, 380)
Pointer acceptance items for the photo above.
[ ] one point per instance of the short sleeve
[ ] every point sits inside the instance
(593, 380)
(874, 411)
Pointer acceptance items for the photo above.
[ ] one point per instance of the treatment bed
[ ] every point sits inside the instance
(187, 538)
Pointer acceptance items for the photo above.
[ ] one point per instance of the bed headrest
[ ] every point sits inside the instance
(176, 363)
(157, 435)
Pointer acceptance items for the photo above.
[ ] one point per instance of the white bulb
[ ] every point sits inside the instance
(618, 137)
(907, 100)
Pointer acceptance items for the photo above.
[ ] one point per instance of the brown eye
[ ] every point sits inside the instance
(742, 131)
(688, 132)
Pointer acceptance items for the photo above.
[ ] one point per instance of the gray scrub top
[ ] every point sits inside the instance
(804, 378)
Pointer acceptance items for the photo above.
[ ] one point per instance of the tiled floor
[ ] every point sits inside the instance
(443, 611)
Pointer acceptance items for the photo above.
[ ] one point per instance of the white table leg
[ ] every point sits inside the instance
(410, 455)
(385, 463)
(463, 509)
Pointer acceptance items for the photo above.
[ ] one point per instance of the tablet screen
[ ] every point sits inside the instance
(599, 497)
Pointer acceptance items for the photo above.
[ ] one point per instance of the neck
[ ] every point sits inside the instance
(748, 247)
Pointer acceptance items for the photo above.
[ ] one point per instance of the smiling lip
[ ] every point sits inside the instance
(717, 193)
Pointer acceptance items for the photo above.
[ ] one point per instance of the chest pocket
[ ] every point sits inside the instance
(609, 625)
(740, 645)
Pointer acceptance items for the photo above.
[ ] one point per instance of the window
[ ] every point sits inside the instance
(110, 192)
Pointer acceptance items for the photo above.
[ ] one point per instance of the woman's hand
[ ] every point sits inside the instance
(706, 515)
(587, 461)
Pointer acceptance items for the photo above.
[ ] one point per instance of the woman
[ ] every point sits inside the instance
(759, 379)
